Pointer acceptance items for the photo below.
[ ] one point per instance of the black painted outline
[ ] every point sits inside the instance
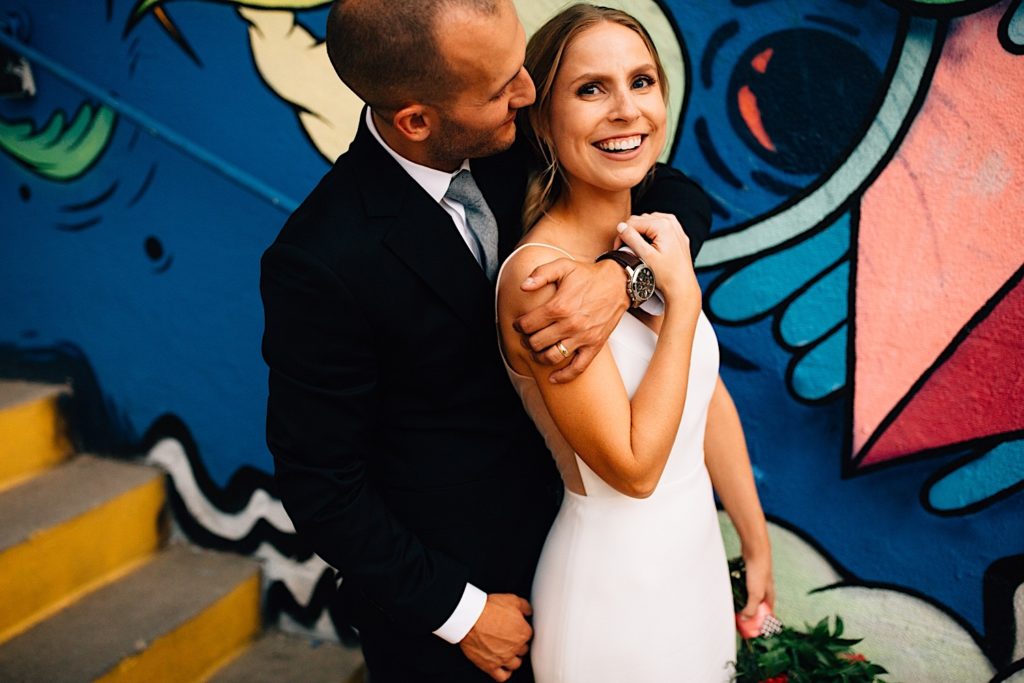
(92, 203)
(231, 499)
(999, 586)
(951, 348)
(80, 226)
(1004, 30)
(719, 37)
(711, 155)
(958, 9)
(146, 182)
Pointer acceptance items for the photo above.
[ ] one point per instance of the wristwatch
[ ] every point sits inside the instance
(640, 278)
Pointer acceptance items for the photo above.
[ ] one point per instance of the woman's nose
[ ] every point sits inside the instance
(624, 107)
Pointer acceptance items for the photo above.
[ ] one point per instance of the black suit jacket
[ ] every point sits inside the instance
(402, 453)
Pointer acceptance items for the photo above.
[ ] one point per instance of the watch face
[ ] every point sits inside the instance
(642, 284)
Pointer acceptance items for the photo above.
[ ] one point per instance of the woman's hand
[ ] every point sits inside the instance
(760, 583)
(660, 241)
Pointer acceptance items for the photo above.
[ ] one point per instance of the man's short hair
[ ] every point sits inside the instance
(386, 50)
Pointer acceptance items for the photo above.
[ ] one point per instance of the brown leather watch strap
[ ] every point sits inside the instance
(623, 258)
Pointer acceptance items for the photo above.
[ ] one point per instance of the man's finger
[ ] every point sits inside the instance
(548, 273)
(574, 369)
(500, 675)
(549, 335)
(551, 356)
(512, 664)
(521, 652)
(524, 607)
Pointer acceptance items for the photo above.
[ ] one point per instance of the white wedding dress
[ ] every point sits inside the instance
(634, 590)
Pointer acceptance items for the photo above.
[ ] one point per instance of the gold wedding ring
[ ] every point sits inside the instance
(562, 350)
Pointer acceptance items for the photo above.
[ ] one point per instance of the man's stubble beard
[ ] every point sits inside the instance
(454, 142)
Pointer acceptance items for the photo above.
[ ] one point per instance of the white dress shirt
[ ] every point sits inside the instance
(435, 183)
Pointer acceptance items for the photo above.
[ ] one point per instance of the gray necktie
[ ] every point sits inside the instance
(481, 221)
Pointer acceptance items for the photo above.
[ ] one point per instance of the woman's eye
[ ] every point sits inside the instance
(643, 82)
(588, 89)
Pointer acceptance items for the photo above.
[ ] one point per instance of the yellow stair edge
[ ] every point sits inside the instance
(32, 437)
(61, 560)
(173, 619)
(200, 646)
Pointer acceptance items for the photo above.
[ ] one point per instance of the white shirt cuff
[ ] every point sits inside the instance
(469, 609)
(655, 305)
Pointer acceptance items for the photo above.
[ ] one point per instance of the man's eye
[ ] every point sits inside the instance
(588, 89)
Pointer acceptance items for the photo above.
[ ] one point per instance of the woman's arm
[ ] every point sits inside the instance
(626, 442)
(725, 454)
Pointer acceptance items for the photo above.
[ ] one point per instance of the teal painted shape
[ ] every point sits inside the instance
(980, 479)
(764, 284)
(823, 306)
(1015, 27)
(59, 151)
(822, 370)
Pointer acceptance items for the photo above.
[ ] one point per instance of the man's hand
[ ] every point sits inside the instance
(499, 640)
(589, 301)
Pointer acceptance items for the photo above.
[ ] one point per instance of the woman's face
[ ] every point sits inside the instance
(607, 110)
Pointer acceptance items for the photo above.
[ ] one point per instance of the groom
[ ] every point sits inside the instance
(402, 453)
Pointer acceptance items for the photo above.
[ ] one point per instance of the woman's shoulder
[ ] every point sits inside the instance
(526, 258)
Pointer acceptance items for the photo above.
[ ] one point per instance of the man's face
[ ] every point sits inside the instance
(485, 54)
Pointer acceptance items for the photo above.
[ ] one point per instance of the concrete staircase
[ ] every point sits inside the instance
(91, 591)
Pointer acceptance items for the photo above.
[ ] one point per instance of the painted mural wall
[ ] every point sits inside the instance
(865, 275)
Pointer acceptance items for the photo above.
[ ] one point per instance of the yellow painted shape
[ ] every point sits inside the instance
(56, 566)
(31, 439)
(199, 646)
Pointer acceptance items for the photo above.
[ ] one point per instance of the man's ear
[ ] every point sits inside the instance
(415, 121)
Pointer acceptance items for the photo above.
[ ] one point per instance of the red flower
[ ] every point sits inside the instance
(781, 678)
(853, 656)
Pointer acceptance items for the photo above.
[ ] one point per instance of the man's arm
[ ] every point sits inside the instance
(321, 414)
(670, 191)
(591, 298)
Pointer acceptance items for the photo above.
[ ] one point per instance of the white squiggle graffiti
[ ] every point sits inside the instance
(170, 455)
(300, 578)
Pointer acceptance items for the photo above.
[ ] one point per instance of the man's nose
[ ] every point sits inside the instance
(524, 92)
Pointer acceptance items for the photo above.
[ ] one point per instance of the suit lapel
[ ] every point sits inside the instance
(419, 232)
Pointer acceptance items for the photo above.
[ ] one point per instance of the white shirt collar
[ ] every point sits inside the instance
(434, 182)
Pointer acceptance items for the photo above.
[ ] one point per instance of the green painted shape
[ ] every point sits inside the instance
(146, 5)
(60, 151)
(913, 639)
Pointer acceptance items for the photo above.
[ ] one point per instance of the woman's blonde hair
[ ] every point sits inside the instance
(544, 55)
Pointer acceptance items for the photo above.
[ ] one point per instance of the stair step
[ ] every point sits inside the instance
(69, 529)
(174, 619)
(31, 431)
(280, 658)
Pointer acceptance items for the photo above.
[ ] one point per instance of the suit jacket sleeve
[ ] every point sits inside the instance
(670, 191)
(321, 416)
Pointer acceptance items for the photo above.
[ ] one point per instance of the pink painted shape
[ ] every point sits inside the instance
(941, 227)
(978, 391)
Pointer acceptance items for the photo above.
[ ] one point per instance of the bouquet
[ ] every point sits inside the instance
(774, 653)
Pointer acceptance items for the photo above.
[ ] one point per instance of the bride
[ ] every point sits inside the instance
(632, 584)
